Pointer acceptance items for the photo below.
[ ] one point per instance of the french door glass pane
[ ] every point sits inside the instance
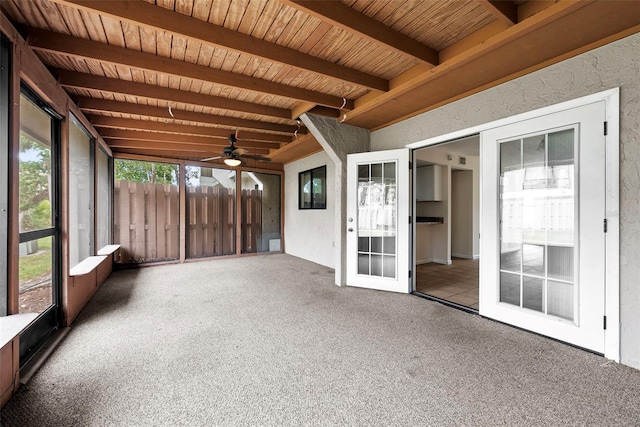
(538, 223)
(377, 207)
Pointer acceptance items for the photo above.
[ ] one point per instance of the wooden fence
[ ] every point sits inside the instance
(251, 220)
(146, 221)
(211, 214)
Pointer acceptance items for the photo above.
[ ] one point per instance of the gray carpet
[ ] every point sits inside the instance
(269, 340)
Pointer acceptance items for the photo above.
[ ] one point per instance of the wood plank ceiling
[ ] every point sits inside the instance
(174, 78)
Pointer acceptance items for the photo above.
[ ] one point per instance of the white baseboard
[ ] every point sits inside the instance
(442, 261)
(464, 256)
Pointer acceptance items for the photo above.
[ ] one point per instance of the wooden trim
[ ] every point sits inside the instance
(344, 17)
(63, 174)
(504, 11)
(104, 84)
(75, 47)
(13, 233)
(282, 212)
(150, 16)
(105, 105)
(169, 127)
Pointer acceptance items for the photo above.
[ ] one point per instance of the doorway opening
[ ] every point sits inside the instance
(447, 210)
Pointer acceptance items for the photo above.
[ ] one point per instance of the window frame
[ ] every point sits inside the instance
(5, 86)
(314, 173)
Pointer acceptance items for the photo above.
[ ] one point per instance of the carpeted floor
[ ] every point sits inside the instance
(269, 340)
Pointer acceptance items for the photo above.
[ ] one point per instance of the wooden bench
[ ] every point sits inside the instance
(84, 280)
(104, 269)
(10, 329)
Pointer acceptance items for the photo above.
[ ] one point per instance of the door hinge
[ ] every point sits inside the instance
(410, 165)
(605, 225)
(604, 322)
(410, 220)
(410, 274)
(606, 130)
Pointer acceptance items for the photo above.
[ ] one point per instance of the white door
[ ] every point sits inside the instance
(378, 220)
(542, 225)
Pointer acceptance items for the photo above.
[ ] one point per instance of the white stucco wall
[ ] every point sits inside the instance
(613, 65)
(309, 233)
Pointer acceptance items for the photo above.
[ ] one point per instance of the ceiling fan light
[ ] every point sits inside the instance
(232, 162)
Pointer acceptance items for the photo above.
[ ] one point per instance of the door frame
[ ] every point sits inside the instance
(611, 99)
(402, 282)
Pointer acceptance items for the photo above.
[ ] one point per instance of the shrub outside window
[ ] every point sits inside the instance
(312, 185)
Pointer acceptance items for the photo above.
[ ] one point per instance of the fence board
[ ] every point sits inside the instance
(173, 221)
(151, 241)
(210, 205)
(211, 213)
(145, 220)
(251, 220)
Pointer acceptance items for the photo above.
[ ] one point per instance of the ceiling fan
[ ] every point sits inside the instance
(233, 156)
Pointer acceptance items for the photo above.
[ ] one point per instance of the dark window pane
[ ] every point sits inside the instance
(510, 288)
(312, 188)
(363, 264)
(532, 289)
(376, 265)
(376, 245)
(363, 244)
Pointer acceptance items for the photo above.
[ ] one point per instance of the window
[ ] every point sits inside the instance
(103, 199)
(211, 211)
(80, 193)
(260, 204)
(146, 210)
(312, 186)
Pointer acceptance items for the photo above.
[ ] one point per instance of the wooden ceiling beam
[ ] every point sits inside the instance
(209, 149)
(105, 84)
(352, 21)
(505, 11)
(137, 135)
(98, 105)
(121, 123)
(500, 58)
(303, 147)
(154, 17)
(76, 47)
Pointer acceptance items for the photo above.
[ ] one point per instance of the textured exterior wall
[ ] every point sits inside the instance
(309, 233)
(613, 65)
(338, 140)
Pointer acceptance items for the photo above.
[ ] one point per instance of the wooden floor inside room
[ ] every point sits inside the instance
(457, 282)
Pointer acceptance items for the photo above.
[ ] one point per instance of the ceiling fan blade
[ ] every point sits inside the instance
(210, 158)
(239, 151)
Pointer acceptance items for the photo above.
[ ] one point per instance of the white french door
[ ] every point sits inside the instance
(378, 220)
(542, 235)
